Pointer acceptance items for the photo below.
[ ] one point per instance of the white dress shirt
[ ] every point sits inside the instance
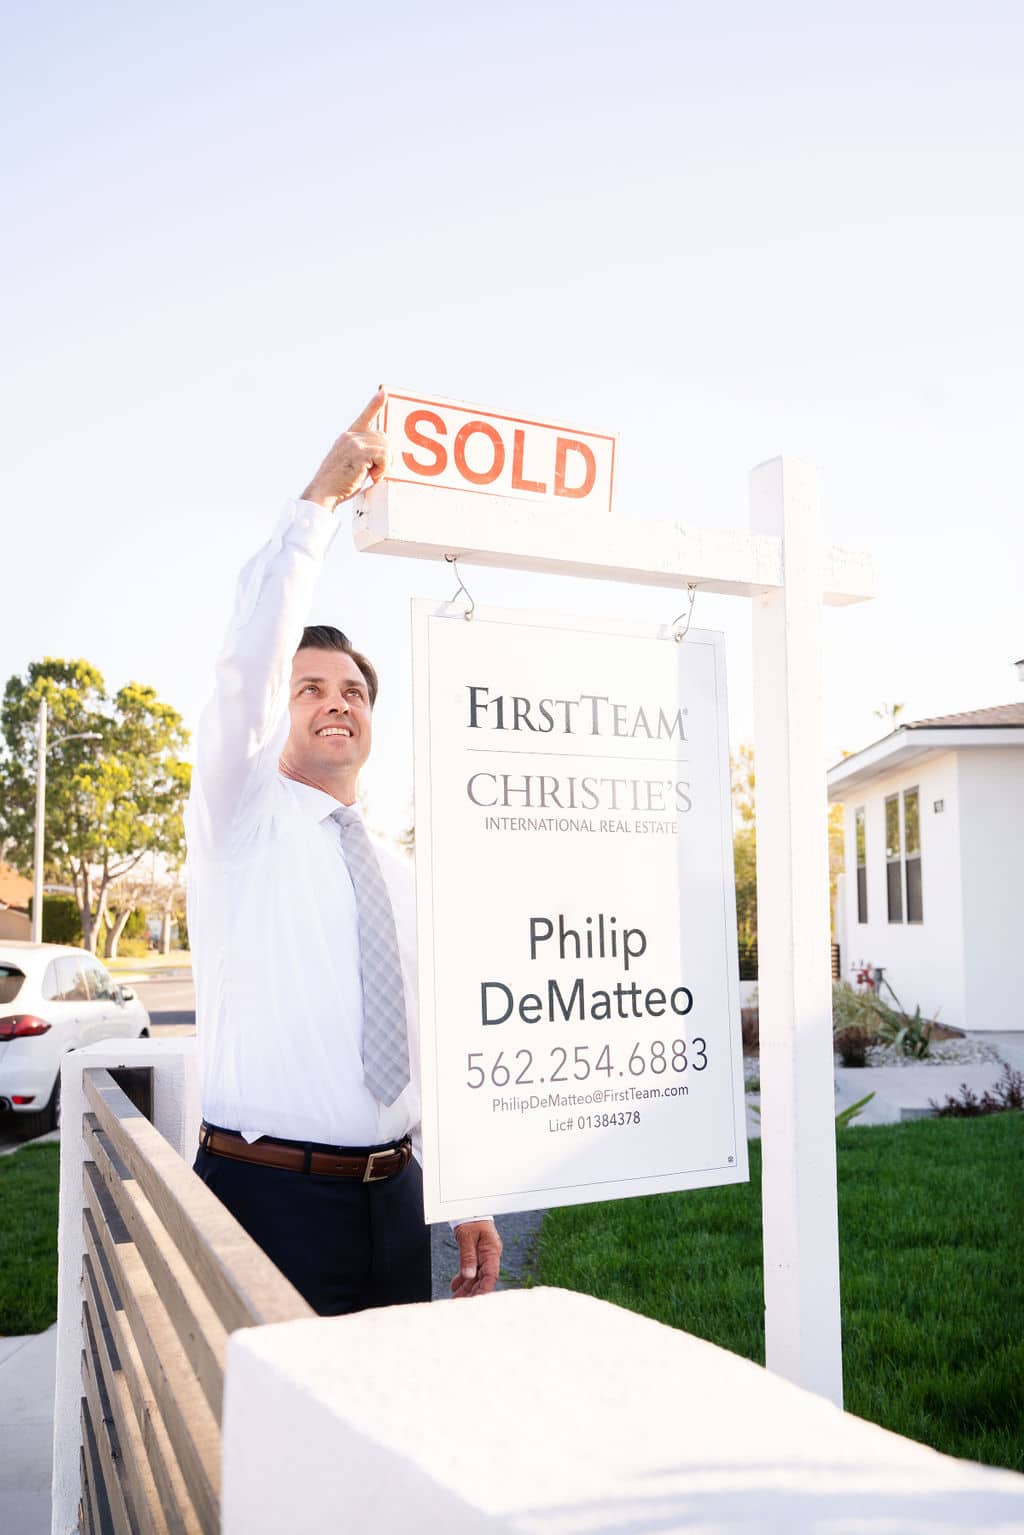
(271, 906)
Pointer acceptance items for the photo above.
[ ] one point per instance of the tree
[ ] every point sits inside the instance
(109, 801)
(743, 783)
(836, 857)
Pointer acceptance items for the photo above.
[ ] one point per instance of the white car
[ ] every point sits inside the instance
(54, 999)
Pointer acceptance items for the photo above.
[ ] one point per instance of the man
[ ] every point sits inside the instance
(303, 938)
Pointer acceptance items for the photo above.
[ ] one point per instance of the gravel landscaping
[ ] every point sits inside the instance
(942, 1052)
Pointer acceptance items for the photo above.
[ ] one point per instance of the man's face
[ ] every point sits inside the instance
(331, 718)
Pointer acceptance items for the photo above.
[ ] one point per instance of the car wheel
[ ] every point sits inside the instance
(48, 1118)
(144, 1034)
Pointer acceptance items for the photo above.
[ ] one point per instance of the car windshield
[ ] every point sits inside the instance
(11, 981)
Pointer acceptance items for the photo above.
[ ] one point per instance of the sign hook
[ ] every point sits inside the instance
(680, 634)
(453, 561)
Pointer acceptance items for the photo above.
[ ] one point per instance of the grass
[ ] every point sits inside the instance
(28, 1239)
(931, 1218)
(178, 959)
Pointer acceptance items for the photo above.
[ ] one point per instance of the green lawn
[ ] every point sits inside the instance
(28, 1239)
(178, 959)
(931, 1217)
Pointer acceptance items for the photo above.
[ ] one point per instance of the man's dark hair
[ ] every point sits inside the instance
(324, 637)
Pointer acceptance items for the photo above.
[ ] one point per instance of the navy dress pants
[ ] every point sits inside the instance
(345, 1245)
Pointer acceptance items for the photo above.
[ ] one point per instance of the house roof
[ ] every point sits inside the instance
(1001, 725)
(999, 715)
(15, 889)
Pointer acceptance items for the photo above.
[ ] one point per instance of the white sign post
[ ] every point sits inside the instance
(788, 571)
(794, 983)
(577, 930)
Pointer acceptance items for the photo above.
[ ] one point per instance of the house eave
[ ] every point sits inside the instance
(908, 745)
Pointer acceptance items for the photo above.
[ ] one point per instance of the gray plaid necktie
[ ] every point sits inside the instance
(385, 1039)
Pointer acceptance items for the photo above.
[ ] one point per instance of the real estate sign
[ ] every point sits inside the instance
(577, 931)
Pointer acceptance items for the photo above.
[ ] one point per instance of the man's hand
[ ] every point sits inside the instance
(479, 1257)
(357, 455)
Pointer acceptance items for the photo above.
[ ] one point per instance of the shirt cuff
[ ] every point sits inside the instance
(309, 526)
(465, 1219)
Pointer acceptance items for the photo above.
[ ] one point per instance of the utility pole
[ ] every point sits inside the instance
(37, 880)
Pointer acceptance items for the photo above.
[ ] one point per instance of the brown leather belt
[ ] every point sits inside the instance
(367, 1166)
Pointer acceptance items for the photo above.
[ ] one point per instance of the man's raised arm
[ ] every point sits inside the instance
(238, 743)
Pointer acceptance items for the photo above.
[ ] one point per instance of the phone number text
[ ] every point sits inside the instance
(528, 1068)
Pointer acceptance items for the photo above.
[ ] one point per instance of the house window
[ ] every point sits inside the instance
(860, 833)
(912, 853)
(893, 858)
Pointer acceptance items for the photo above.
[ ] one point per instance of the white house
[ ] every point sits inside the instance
(934, 883)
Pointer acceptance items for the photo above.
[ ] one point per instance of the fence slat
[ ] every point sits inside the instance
(85, 1518)
(111, 1470)
(191, 1427)
(147, 1446)
(144, 1502)
(243, 1286)
(175, 1501)
(99, 1508)
(198, 1327)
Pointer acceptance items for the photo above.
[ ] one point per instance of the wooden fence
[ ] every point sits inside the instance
(168, 1274)
(748, 960)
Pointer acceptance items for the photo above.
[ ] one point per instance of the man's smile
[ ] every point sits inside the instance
(334, 730)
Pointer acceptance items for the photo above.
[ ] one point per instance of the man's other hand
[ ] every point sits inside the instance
(479, 1258)
(359, 454)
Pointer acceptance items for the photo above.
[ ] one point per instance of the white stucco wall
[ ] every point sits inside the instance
(176, 1116)
(549, 1413)
(925, 961)
(992, 863)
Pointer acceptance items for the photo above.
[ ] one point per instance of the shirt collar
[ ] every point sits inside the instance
(316, 803)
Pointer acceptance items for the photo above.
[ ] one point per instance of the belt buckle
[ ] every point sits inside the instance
(370, 1176)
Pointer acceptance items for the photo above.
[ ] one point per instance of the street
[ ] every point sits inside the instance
(170, 1000)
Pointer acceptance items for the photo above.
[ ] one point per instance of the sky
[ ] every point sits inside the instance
(723, 232)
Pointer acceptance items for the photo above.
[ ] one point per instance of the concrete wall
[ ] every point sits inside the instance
(551, 1413)
(924, 962)
(176, 1116)
(992, 863)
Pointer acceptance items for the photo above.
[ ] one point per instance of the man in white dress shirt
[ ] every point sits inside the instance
(303, 939)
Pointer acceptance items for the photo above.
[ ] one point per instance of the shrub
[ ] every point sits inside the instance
(881, 1024)
(136, 926)
(1008, 1093)
(749, 1029)
(851, 1045)
(132, 948)
(61, 921)
(852, 1009)
(910, 1035)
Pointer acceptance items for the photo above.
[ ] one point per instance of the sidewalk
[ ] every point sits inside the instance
(27, 1371)
(905, 1092)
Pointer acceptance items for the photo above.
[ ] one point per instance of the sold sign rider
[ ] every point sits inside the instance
(461, 447)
